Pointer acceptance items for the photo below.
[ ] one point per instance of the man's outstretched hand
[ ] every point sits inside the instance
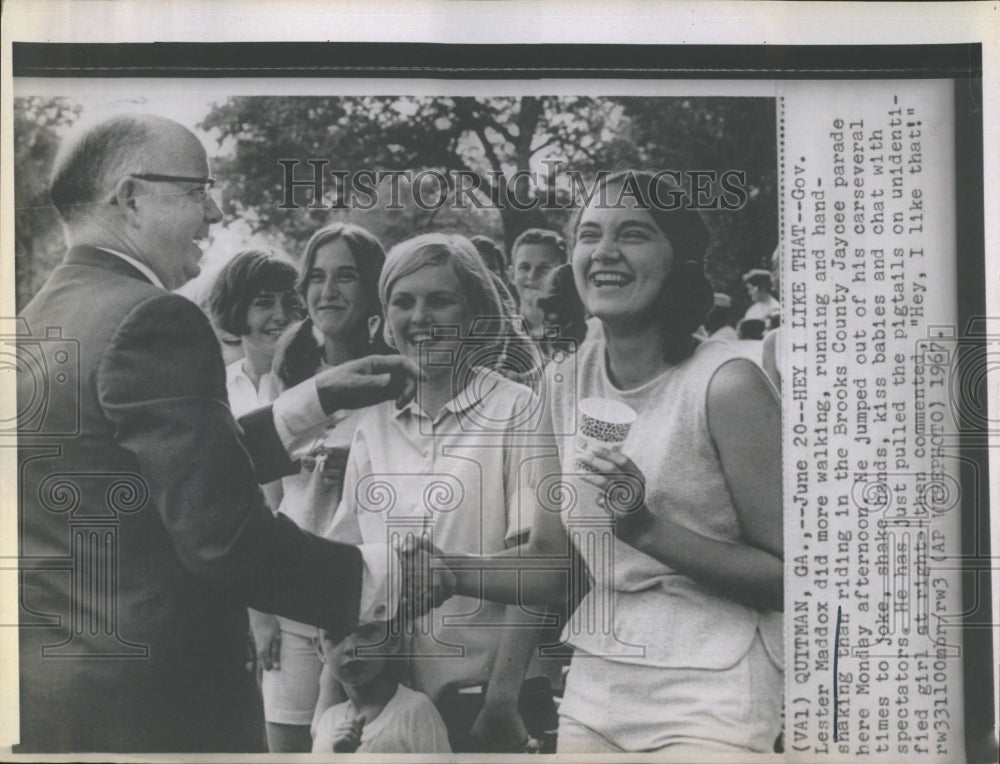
(367, 381)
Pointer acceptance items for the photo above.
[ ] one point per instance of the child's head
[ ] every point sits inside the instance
(361, 656)
(535, 253)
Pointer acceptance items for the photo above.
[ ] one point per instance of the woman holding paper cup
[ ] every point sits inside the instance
(677, 442)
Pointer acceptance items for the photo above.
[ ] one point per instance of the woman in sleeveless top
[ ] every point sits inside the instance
(677, 645)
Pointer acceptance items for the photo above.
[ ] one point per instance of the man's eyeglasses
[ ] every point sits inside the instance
(155, 178)
(201, 194)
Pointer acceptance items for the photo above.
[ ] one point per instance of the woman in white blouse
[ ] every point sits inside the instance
(254, 298)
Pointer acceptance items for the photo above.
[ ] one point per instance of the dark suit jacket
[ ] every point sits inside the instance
(143, 533)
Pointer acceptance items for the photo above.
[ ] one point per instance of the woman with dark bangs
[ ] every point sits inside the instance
(338, 282)
(691, 588)
(253, 298)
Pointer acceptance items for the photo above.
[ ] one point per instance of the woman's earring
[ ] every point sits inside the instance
(374, 324)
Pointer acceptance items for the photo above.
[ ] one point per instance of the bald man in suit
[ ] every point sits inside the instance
(144, 535)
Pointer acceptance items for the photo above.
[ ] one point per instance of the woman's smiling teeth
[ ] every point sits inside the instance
(609, 279)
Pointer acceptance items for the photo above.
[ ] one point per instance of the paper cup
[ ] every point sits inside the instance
(604, 423)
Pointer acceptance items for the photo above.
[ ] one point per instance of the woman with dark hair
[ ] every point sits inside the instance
(690, 590)
(492, 255)
(253, 298)
(334, 331)
(338, 281)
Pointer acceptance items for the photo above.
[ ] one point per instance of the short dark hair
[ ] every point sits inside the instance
(687, 293)
(758, 278)
(751, 329)
(243, 278)
(492, 254)
(560, 296)
(541, 236)
(84, 168)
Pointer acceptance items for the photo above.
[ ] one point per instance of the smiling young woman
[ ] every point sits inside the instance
(253, 298)
(694, 658)
(453, 463)
(338, 282)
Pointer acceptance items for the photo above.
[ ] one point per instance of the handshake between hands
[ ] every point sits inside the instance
(424, 586)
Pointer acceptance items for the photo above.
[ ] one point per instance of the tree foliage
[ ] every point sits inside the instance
(38, 240)
(494, 138)
(491, 139)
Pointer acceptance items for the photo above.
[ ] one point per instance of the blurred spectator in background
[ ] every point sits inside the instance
(751, 332)
(535, 253)
(758, 286)
(751, 329)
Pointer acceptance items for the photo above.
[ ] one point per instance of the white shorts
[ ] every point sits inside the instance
(613, 706)
(290, 693)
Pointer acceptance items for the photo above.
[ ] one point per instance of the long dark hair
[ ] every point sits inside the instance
(687, 293)
(300, 354)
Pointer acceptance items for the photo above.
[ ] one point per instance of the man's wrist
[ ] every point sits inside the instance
(328, 399)
(298, 415)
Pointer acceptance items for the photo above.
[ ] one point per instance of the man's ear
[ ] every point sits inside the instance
(125, 193)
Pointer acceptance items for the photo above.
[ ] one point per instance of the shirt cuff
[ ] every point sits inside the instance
(298, 417)
(380, 583)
